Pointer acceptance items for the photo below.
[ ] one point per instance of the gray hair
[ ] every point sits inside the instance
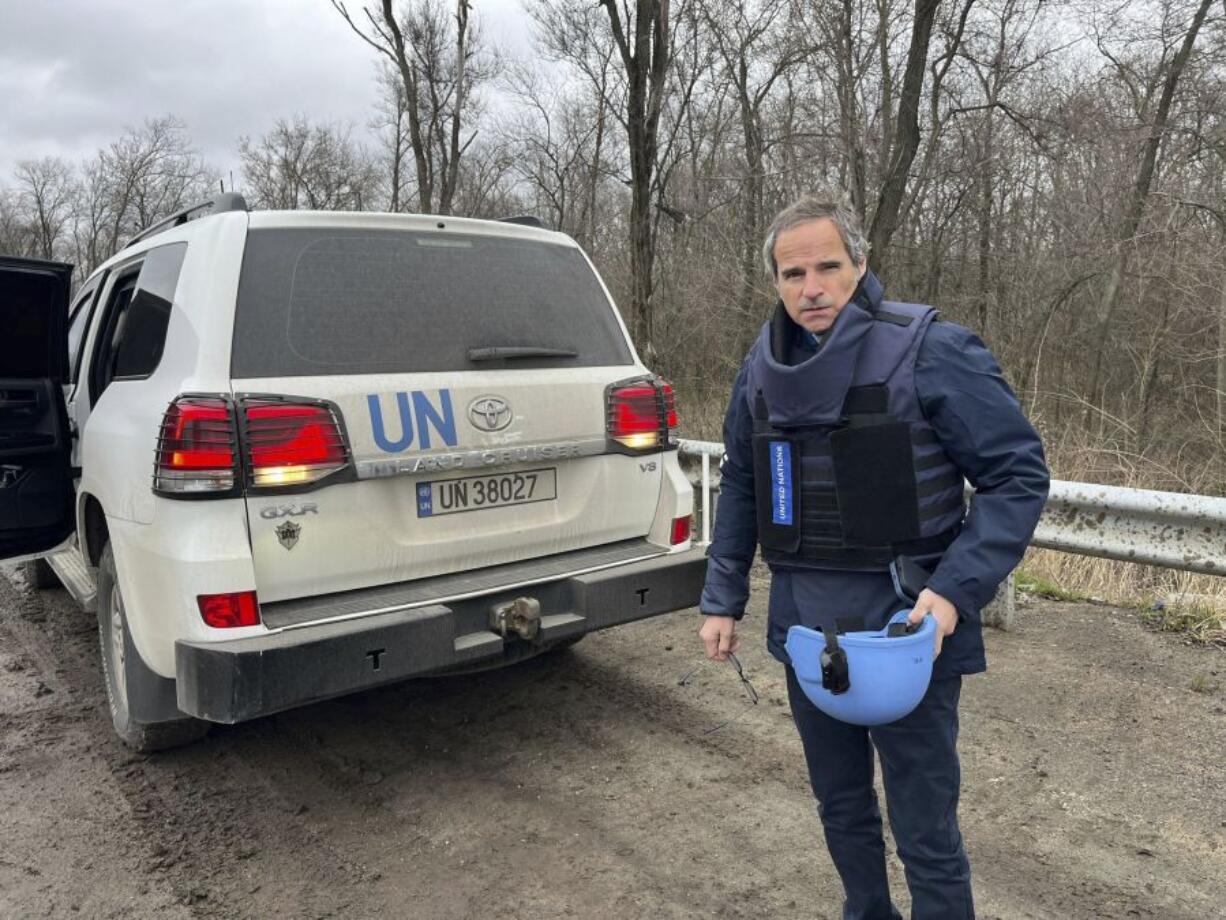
(817, 206)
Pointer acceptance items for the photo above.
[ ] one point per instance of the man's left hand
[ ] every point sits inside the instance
(946, 614)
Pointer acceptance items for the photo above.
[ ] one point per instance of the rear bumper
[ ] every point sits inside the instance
(246, 678)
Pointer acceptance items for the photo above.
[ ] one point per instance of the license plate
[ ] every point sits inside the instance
(474, 493)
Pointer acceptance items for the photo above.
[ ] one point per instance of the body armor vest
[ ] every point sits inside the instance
(849, 474)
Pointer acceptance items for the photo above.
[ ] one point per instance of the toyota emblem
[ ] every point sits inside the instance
(490, 413)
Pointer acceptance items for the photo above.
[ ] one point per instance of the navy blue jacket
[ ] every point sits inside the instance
(983, 431)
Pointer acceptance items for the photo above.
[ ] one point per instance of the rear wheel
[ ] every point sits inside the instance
(39, 575)
(119, 659)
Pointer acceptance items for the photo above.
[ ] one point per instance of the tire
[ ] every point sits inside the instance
(39, 575)
(119, 658)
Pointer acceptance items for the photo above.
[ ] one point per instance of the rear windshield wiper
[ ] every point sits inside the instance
(511, 352)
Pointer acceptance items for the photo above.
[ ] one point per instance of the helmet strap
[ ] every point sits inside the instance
(835, 675)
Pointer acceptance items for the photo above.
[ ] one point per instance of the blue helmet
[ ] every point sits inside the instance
(865, 678)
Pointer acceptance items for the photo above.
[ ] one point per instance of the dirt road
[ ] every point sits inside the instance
(589, 784)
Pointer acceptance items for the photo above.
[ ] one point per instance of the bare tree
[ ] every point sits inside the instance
(551, 141)
(46, 191)
(848, 41)
(391, 122)
(999, 53)
(14, 230)
(641, 34)
(579, 35)
(485, 188)
(300, 165)
(642, 39)
(90, 237)
(142, 176)
(1168, 76)
(755, 53)
(439, 59)
(147, 173)
(906, 138)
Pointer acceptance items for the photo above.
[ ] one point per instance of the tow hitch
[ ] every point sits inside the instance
(522, 616)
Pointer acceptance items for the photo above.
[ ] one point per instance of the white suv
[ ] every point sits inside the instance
(291, 455)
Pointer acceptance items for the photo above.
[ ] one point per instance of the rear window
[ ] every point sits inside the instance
(321, 302)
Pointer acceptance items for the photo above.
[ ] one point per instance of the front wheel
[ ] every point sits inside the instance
(119, 659)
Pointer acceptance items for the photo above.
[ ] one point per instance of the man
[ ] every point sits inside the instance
(850, 428)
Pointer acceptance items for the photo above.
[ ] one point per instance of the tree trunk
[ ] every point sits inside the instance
(451, 179)
(1136, 203)
(589, 218)
(884, 8)
(849, 121)
(751, 218)
(412, 102)
(1221, 364)
(641, 260)
(397, 158)
(646, 62)
(985, 228)
(906, 139)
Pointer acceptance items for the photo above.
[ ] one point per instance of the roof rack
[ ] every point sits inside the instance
(524, 220)
(227, 201)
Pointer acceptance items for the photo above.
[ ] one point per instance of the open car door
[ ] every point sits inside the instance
(36, 491)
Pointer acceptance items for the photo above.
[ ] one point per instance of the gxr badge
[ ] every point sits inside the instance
(287, 533)
(278, 511)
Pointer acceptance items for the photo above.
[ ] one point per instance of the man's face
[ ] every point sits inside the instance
(814, 275)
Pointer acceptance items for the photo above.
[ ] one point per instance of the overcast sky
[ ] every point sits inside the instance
(75, 73)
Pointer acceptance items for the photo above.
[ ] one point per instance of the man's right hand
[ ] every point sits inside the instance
(718, 634)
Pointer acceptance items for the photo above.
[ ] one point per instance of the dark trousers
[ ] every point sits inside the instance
(919, 767)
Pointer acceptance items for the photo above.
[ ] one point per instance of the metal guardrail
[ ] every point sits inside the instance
(705, 450)
(1174, 530)
(1169, 529)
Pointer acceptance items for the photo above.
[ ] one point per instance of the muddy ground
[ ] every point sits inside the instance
(589, 784)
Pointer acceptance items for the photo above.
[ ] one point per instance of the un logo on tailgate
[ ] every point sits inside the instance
(490, 413)
(439, 419)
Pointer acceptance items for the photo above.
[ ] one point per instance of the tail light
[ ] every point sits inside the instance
(227, 611)
(197, 451)
(641, 414)
(284, 442)
(682, 528)
(291, 443)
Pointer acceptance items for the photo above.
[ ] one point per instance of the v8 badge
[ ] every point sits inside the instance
(288, 533)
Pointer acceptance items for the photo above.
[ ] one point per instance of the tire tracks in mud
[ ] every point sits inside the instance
(204, 815)
(565, 764)
(63, 812)
(200, 813)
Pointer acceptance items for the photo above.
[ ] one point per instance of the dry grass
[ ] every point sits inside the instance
(1202, 625)
(1171, 601)
(1202, 684)
(1125, 583)
(1188, 603)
